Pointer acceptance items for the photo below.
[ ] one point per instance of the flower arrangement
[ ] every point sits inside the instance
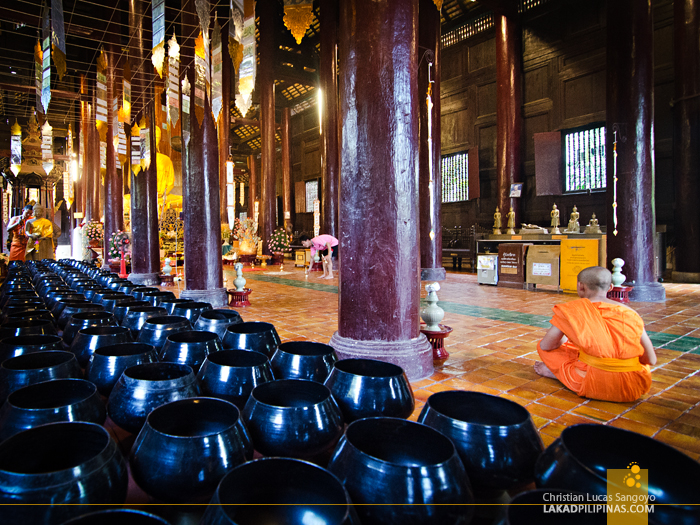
(116, 241)
(94, 231)
(245, 231)
(279, 242)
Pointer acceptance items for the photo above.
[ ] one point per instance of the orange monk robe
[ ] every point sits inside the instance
(604, 342)
(16, 228)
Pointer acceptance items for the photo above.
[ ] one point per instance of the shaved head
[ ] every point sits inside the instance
(596, 277)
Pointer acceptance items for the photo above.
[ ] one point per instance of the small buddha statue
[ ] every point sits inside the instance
(511, 222)
(497, 222)
(593, 226)
(554, 214)
(574, 226)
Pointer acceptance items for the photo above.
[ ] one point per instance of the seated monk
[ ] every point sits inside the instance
(597, 347)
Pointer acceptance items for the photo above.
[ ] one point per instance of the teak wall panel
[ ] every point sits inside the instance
(583, 99)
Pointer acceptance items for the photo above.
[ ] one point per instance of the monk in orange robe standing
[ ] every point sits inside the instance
(16, 228)
(597, 347)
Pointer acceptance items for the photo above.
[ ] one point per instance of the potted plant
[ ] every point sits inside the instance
(118, 240)
(93, 233)
(279, 245)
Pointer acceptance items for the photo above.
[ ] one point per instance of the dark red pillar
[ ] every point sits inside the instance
(430, 175)
(286, 170)
(266, 84)
(330, 159)
(113, 188)
(686, 139)
(94, 178)
(380, 278)
(224, 125)
(145, 255)
(630, 110)
(201, 196)
(508, 110)
(252, 186)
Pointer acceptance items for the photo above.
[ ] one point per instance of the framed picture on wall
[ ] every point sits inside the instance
(516, 189)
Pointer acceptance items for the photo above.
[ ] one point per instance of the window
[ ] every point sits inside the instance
(311, 194)
(455, 178)
(584, 159)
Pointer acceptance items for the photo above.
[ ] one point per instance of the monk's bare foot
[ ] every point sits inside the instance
(542, 370)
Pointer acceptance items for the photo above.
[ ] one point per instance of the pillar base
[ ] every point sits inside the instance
(216, 297)
(415, 356)
(648, 292)
(685, 277)
(146, 279)
(433, 274)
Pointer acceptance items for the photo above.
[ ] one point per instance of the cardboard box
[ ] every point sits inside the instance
(543, 265)
(576, 255)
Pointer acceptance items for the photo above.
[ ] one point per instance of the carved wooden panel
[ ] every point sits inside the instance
(482, 55)
(454, 129)
(584, 95)
(300, 197)
(473, 170)
(536, 84)
(452, 62)
(487, 147)
(486, 99)
(548, 178)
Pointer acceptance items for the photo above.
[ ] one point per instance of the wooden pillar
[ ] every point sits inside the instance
(429, 161)
(508, 110)
(630, 110)
(94, 178)
(686, 141)
(81, 186)
(330, 160)
(201, 195)
(380, 281)
(252, 186)
(286, 171)
(224, 125)
(113, 188)
(145, 255)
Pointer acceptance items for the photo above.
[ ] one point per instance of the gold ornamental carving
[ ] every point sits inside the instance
(298, 18)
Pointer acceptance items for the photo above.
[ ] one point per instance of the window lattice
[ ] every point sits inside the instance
(311, 194)
(455, 178)
(471, 28)
(584, 160)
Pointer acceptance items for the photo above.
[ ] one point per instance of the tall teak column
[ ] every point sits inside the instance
(379, 289)
(430, 176)
(630, 110)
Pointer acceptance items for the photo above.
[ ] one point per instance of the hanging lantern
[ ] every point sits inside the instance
(298, 15)
(235, 33)
(216, 71)
(230, 193)
(46, 61)
(158, 53)
(173, 96)
(246, 72)
(58, 37)
(47, 147)
(135, 149)
(242, 198)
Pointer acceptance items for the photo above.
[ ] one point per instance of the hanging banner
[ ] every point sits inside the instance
(216, 71)
(103, 155)
(81, 150)
(58, 37)
(173, 96)
(16, 148)
(115, 123)
(204, 13)
(135, 149)
(46, 61)
(246, 73)
(242, 189)
(67, 180)
(158, 53)
(186, 110)
(200, 78)
(47, 147)
(235, 33)
(145, 145)
(101, 96)
(121, 145)
(298, 15)
(125, 113)
(38, 74)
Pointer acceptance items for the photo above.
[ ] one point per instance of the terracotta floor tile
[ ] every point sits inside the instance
(481, 375)
(647, 418)
(547, 439)
(536, 409)
(668, 402)
(679, 440)
(593, 413)
(553, 429)
(573, 419)
(685, 429)
(607, 406)
(526, 393)
(517, 399)
(557, 402)
(634, 426)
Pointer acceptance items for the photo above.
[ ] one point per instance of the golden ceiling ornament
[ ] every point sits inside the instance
(135, 149)
(298, 17)
(438, 4)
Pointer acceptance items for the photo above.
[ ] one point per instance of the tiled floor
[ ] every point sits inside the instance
(493, 348)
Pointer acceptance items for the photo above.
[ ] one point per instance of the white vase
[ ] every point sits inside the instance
(617, 276)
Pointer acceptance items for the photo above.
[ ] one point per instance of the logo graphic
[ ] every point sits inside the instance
(628, 498)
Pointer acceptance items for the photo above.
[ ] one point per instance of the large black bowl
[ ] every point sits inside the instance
(217, 320)
(190, 348)
(109, 362)
(50, 402)
(26, 344)
(142, 388)
(278, 416)
(136, 317)
(81, 321)
(277, 491)
(170, 304)
(370, 388)
(411, 466)
(36, 367)
(186, 447)
(191, 311)
(495, 437)
(258, 336)
(23, 294)
(154, 298)
(117, 517)
(303, 360)
(88, 340)
(61, 304)
(76, 307)
(110, 302)
(40, 313)
(155, 331)
(233, 374)
(59, 466)
(27, 327)
(122, 308)
(140, 290)
(580, 458)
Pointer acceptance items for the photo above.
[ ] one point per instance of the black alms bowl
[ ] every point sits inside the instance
(303, 360)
